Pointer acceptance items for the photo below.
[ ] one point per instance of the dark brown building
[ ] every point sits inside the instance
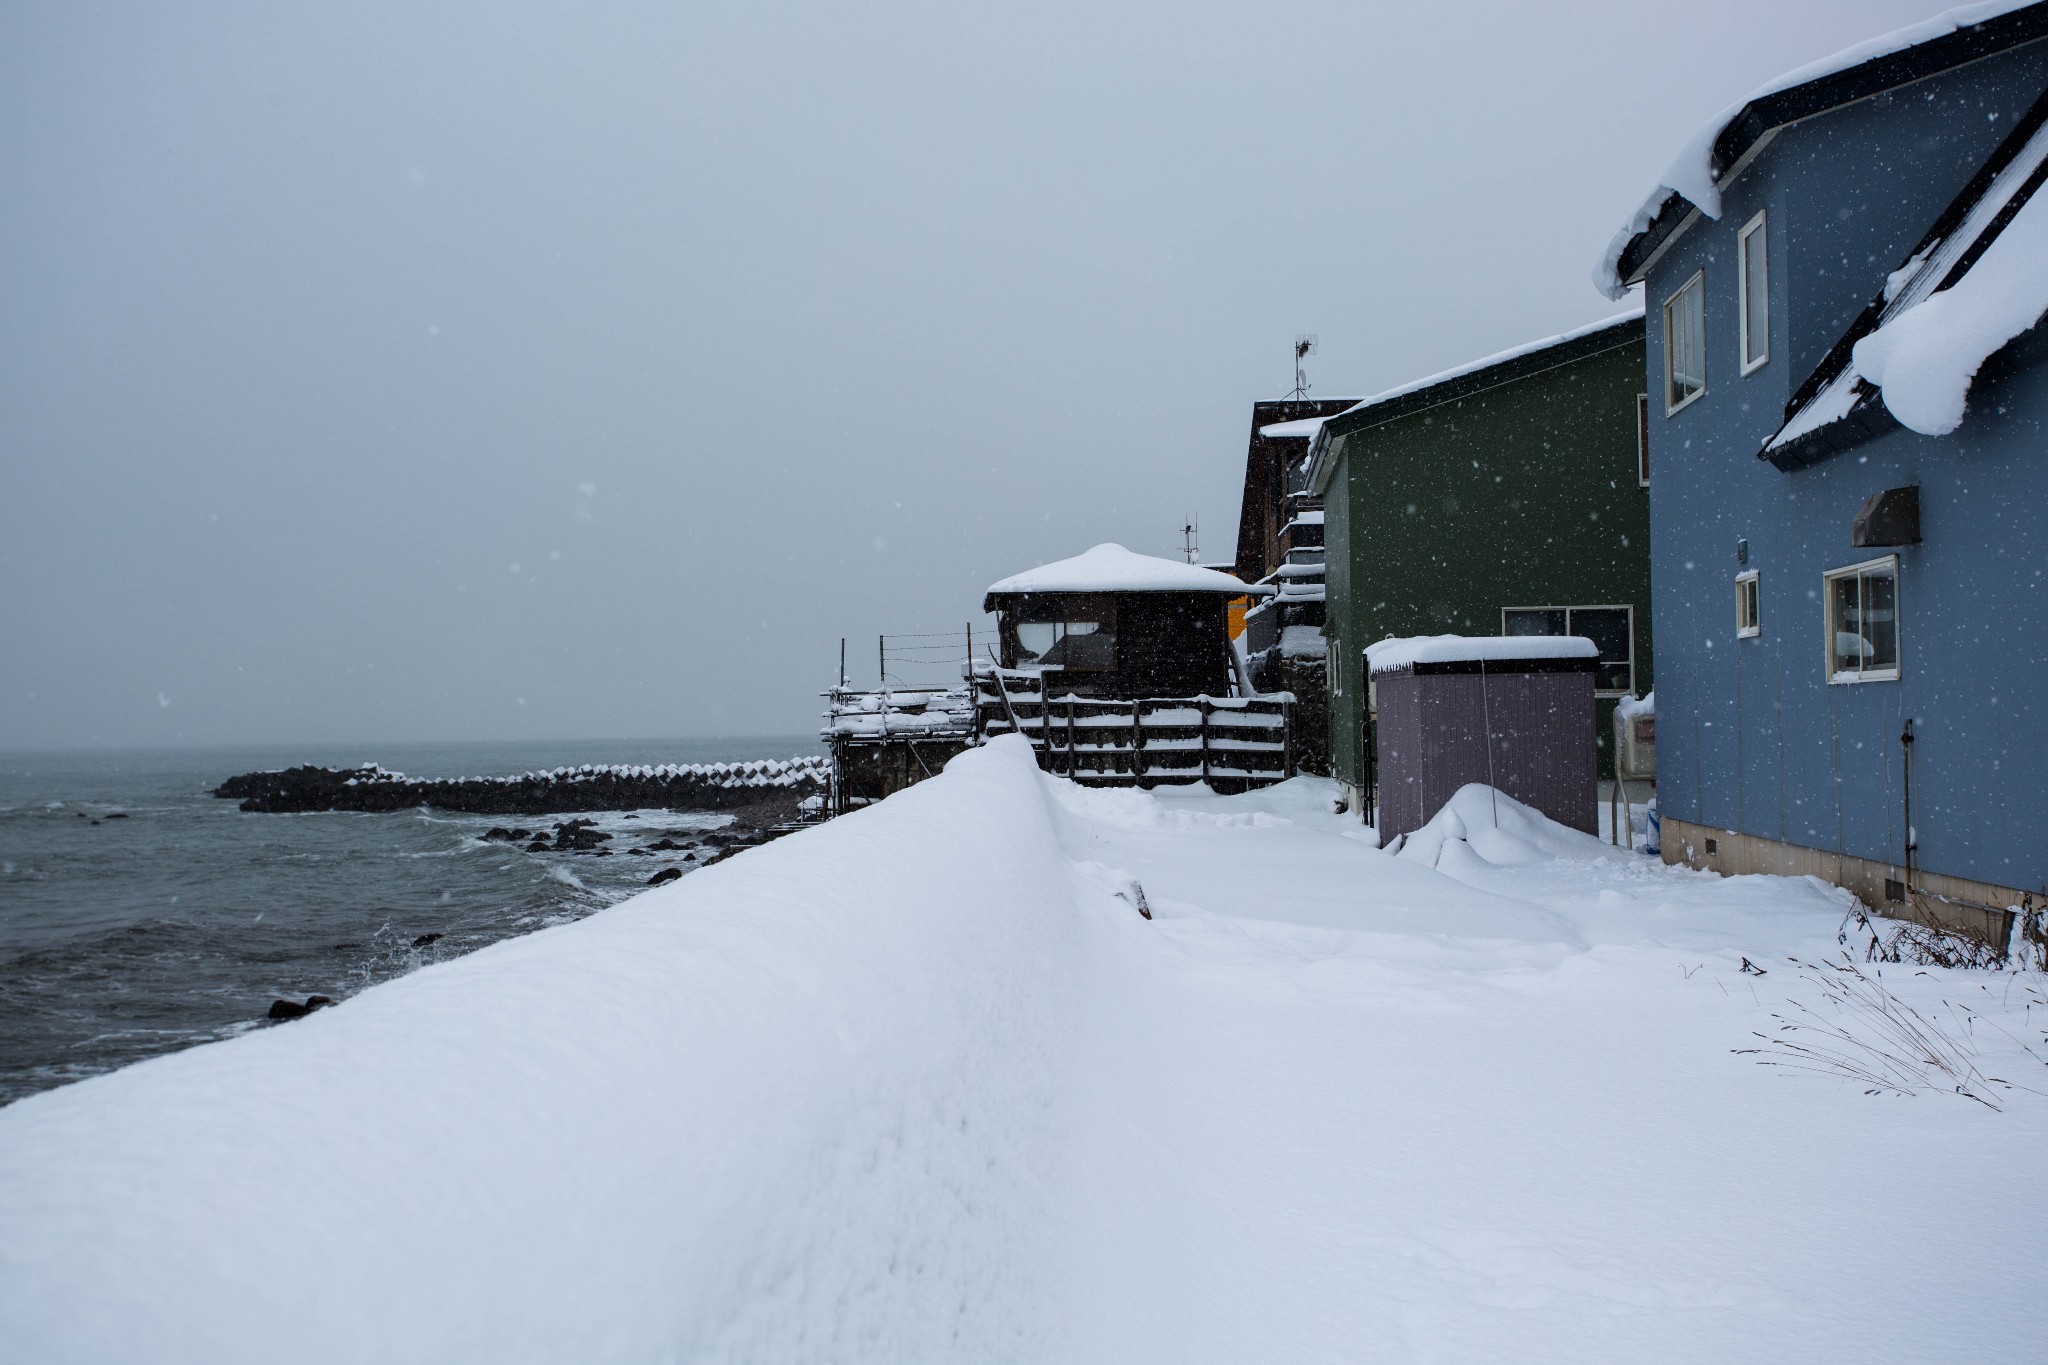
(1110, 623)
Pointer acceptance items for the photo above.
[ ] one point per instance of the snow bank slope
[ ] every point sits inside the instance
(796, 1107)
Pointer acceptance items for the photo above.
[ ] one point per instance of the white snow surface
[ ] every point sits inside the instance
(1290, 431)
(920, 1084)
(1112, 568)
(1690, 174)
(1404, 651)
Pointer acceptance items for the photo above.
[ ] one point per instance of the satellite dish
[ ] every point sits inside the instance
(1304, 346)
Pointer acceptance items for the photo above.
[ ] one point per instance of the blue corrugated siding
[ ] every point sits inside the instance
(1751, 736)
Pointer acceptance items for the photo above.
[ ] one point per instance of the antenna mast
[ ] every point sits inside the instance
(1304, 347)
(1191, 537)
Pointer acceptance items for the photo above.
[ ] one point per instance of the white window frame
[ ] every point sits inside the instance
(1628, 607)
(1697, 282)
(1753, 230)
(1748, 626)
(1890, 565)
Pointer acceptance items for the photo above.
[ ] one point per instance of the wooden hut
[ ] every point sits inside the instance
(1111, 623)
(1119, 668)
(1512, 711)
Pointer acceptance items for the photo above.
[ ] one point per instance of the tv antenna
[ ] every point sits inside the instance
(1304, 347)
(1191, 537)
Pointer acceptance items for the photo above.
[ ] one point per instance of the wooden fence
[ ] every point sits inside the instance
(1231, 742)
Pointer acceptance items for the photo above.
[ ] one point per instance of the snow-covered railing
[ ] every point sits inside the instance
(760, 772)
(1139, 741)
(898, 713)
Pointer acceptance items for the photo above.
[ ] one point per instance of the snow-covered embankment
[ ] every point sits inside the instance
(799, 1105)
(918, 1085)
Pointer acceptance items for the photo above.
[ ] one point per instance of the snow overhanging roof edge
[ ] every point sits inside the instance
(1716, 153)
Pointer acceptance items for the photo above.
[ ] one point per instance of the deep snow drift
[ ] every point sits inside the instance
(921, 1084)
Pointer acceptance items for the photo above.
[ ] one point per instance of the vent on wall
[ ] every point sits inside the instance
(1888, 518)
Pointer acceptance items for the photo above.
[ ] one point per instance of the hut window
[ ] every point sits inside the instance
(1612, 629)
(1863, 621)
(1074, 633)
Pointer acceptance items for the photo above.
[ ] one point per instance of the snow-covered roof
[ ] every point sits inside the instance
(1397, 652)
(1309, 518)
(1295, 430)
(1695, 175)
(1527, 348)
(1977, 280)
(1112, 568)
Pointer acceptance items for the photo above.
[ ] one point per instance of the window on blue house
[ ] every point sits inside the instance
(1752, 249)
(1749, 606)
(1863, 621)
(1685, 344)
(1611, 629)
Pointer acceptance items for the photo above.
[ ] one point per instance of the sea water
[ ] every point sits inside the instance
(139, 915)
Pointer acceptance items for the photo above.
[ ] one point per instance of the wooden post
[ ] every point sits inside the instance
(1137, 741)
(1070, 734)
(882, 654)
(1204, 703)
(1286, 739)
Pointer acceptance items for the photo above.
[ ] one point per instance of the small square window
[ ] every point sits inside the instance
(1863, 621)
(1685, 344)
(1752, 246)
(1749, 617)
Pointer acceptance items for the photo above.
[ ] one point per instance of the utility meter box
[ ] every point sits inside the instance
(1635, 739)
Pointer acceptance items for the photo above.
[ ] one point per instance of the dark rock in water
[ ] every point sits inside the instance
(117, 815)
(666, 875)
(640, 851)
(95, 822)
(499, 834)
(539, 845)
(582, 836)
(424, 939)
(292, 1009)
(79, 814)
(689, 857)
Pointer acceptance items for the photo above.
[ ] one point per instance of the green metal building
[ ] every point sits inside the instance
(1510, 496)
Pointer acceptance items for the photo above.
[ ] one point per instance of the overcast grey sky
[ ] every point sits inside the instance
(403, 371)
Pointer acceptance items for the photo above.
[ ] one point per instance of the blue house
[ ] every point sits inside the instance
(1848, 467)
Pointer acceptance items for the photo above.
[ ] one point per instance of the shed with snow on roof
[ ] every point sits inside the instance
(1512, 711)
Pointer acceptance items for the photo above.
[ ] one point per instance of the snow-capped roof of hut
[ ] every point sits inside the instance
(1720, 150)
(1977, 280)
(1112, 568)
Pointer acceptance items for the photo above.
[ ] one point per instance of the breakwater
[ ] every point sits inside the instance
(763, 788)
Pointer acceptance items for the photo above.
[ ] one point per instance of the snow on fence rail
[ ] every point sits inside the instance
(1140, 741)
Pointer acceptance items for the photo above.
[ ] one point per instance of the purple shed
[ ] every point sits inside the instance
(1512, 711)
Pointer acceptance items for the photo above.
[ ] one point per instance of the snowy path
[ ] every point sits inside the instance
(918, 1086)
